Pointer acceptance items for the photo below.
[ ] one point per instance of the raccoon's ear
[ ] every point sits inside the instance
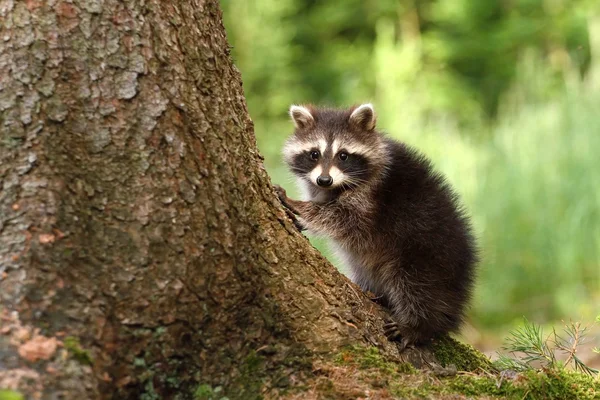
(301, 116)
(364, 117)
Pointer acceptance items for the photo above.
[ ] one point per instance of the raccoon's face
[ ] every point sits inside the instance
(333, 149)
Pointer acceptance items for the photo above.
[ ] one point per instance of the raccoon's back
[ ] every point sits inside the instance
(421, 219)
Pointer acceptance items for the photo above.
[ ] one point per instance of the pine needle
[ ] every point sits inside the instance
(529, 348)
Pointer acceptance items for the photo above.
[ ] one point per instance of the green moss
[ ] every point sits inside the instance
(207, 392)
(248, 385)
(269, 369)
(149, 392)
(77, 352)
(161, 330)
(449, 351)
(203, 392)
(400, 378)
(253, 362)
(370, 371)
(139, 362)
(532, 385)
(10, 395)
(172, 382)
(252, 371)
(370, 357)
(412, 390)
(481, 385)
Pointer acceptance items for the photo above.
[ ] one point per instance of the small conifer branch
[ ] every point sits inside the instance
(528, 345)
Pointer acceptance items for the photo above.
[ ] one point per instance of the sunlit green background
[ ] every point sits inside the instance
(503, 95)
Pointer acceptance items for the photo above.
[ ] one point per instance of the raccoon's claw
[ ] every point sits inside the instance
(393, 333)
(281, 193)
(380, 300)
(297, 223)
(288, 208)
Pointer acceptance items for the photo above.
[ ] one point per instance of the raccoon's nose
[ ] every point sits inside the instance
(324, 181)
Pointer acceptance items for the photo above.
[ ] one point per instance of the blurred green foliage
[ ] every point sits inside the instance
(503, 95)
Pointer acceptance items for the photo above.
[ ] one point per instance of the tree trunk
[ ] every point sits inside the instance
(143, 253)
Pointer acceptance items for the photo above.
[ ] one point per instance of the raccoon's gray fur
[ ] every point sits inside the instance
(394, 222)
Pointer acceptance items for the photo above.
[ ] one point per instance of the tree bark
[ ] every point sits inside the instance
(143, 252)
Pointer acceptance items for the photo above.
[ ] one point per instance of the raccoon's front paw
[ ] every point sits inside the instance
(289, 210)
(286, 201)
(394, 333)
(297, 223)
(281, 194)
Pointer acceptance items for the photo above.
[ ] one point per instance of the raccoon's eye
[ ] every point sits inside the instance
(343, 156)
(314, 155)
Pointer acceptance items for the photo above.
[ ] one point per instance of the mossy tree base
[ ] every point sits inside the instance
(359, 372)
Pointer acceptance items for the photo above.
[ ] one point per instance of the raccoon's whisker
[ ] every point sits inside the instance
(353, 181)
(357, 175)
(359, 171)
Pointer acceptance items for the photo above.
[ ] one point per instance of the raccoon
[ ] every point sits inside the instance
(394, 222)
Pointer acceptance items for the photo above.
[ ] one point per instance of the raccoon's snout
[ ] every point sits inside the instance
(324, 181)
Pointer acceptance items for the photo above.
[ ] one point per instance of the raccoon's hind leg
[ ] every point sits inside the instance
(396, 333)
(411, 330)
(414, 322)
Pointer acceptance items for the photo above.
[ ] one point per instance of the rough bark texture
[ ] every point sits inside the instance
(142, 249)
